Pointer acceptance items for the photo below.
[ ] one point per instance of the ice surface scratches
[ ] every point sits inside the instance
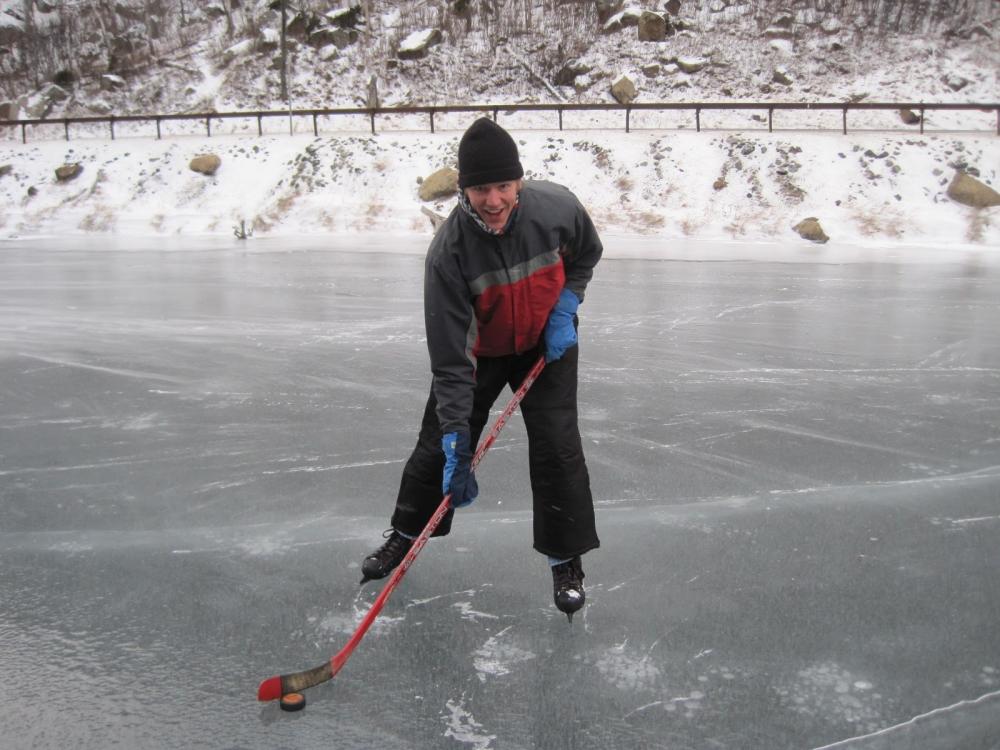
(938, 714)
(463, 727)
(494, 658)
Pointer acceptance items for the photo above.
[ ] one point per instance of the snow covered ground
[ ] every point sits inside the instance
(795, 467)
(869, 188)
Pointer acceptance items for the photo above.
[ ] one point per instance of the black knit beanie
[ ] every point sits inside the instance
(487, 154)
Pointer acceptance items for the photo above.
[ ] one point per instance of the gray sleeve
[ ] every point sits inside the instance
(451, 333)
(584, 251)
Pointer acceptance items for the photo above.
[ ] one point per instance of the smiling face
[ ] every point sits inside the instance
(494, 202)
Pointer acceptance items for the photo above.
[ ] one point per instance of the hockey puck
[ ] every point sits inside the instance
(293, 702)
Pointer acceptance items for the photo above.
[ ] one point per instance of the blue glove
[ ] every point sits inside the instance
(560, 333)
(459, 480)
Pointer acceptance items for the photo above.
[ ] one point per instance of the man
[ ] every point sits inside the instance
(504, 276)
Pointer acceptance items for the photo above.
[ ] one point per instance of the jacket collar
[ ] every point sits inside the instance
(469, 211)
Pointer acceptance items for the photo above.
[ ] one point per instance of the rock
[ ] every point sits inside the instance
(42, 101)
(691, 64)
(783, 20)
(969, 191)
(344, 38)
(719, 183)
(213, 11)
(622, 19)
(240, 49)
(111, 82)
(329, 52)
(345, 17)
(652, 27)
(68, 172)
(830, 26)
(325, 36)
(955, 82)
(623, 89)
(416, 45)
(440, 184)
(9, 111)
(6, 169)
(782, 76)
(776, 32)
(206, 164)
(568, 74)
(809, 229)
(909, 117)
(652, 70)
(673, 7)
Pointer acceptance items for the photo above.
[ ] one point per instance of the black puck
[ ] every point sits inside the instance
(293, 702)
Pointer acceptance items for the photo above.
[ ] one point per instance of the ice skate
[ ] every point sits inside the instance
(386, 558)
(567, 587)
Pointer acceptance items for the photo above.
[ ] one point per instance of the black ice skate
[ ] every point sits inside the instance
(567, 587)
(386, 558)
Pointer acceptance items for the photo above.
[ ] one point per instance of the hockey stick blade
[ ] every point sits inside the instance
(274, 687)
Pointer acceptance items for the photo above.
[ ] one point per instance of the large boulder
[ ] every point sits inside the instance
(653, 27)
(345, 18)
(692, 64)
(440, 184)
(969, 191)
(810, 229)
(68, 172)
(623, 89)
(568, 74)
(40, 103)
(416, 45)
(207, 164)
(9, 111)
(621, 20)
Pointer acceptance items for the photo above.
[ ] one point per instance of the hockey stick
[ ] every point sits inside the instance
(274, 687)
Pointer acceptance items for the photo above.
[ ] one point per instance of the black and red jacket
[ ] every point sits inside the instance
(489, 295)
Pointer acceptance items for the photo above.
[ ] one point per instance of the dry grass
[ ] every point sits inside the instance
(979, 222)
(879, 223)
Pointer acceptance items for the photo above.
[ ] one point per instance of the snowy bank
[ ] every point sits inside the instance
(873, 189)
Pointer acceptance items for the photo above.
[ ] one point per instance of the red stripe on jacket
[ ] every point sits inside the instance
(511, 317)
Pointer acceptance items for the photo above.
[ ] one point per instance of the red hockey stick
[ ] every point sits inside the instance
(274, 687)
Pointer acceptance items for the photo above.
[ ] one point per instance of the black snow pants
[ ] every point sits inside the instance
(563, 506)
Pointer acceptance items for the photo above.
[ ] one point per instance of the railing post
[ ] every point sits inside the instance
(373, 121)
(24, 132)
(315, 126)
(158, 128)
(260, 127)
(697, 119)
(628, 113)
(208, 126)
(921, 121)
(111, 124)
(770, 119)
(998, 120)
(496, 113)
(66, 126)
(845, 120)
(561, 111)
(432, 121)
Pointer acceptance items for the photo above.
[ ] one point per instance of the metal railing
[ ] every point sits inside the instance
(697, 108)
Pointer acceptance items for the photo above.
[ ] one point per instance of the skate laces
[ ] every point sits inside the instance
(568, 575)
(395, 547)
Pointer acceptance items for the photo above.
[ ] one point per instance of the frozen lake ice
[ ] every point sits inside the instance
(796, 468)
